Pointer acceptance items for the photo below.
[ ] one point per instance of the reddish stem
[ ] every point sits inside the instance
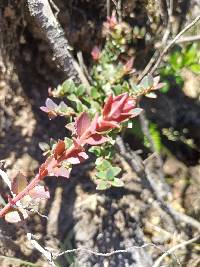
(33, 183)
(19, 196)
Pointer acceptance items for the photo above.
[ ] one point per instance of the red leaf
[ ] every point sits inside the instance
(18, 183)
(96, 53)
(104, 125)
(43, 170)
(50, 104)
(94, 123)
(50, 164)
(117, 105)
(44, 109)
(82, 123)
(59, 149)
(96, 139)
(107, 106)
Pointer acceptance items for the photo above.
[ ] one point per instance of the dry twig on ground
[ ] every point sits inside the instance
(171, 250)
(144, 173)
(156, 59)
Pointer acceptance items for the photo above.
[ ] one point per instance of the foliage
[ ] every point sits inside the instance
(186, 57)
(155, 135)
(94, 116)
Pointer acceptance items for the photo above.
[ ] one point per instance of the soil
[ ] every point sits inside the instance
(78, 215)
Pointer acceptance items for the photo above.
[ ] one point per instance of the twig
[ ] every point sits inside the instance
(170, 4)
(46, 253)
(173, 42)
(145, 128)
(5, 178)
(51, 258)
(118, 6)
(188, 39)
(17, 261)
(55, 7)
(148, 66)
(108, 7)
(144, 173)
(171, 250)
(163, 8)
(178, 216)
(84, 68)
(107, 254)
(42, 12)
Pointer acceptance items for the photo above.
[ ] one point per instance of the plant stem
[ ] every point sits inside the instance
(33, 183)
(19, 196)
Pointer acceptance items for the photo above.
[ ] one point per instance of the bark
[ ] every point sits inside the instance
(42, 12)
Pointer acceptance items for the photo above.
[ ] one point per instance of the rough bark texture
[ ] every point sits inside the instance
(42, 12)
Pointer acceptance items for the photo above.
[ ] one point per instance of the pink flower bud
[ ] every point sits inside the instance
(96, 53)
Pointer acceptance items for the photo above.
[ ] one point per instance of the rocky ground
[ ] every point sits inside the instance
(77, 213)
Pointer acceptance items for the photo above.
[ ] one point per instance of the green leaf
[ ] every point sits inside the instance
(117, 182)
(144, 83)
(176, 60)
(102, 185)
(101, 175)
(44, 146)
(125, 86)
(150, 80)
(134, 87)
(118, 89)
(110, 174)
(73, 98)
(80, 90)
(165, 88)
(98, 161)
(143, 31)
(195, 68)
(94, 93)
(68, 142)
(68, 86)
(94, 107)
(65, 110)
(52, 142)
(190, 55)
(96, 150)
(116, 170)
(136, 31)
(155, 134)
(179, 80)
(79, 106)
(151, 95)
(103, 165)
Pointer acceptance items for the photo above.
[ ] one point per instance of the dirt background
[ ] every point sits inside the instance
(78, 214)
